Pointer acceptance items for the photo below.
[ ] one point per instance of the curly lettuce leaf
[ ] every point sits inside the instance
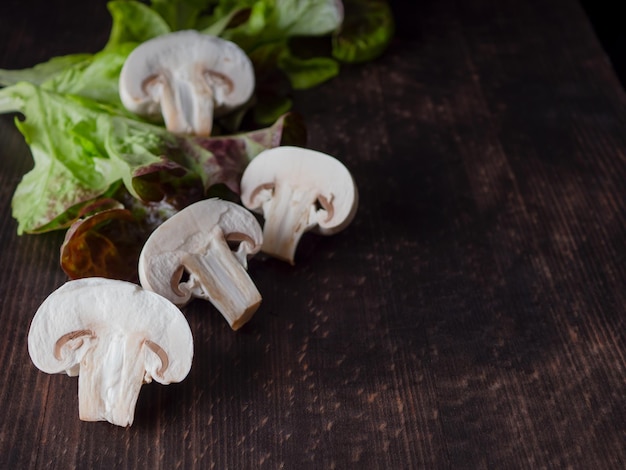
(307, 73)
(82, 209)
(95, 78)
(271, 23)
(43, 72)
(107, 234)
(79, 149)
(192, 165)
(134, 22)
(255, 25)
(96, 75)
(103, 244)
(359, 34)
(181, 14)
(85, 144)
(366, 32)
(309, 18)
(277, 20)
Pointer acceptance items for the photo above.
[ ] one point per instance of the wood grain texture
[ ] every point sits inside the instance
(473, 316)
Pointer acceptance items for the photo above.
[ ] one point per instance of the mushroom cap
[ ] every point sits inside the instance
(96, 304)
(308, 170)
(187, 55)
(190, 232)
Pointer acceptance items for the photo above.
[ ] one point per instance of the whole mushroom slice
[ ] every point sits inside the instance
(186, 77)
(115, 336)
(298, 190)
(191, 255)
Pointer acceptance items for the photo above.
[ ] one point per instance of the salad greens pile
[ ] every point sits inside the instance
(110, 177)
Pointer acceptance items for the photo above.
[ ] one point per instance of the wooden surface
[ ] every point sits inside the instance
(473, 316)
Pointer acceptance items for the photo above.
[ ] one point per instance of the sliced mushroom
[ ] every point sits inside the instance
(190, 255)
(298, 190)
(115, 336)
(186, 78)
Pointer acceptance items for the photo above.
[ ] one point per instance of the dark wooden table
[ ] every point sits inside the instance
(473, 316)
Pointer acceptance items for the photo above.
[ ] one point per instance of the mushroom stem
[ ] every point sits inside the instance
(174, 122)
(187, 105)
(289, 214)
(222, 280)
(109, 382)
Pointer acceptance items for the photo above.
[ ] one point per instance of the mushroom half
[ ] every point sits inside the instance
(187, 78)
(298, 190)
(202, 251)
(115, 336)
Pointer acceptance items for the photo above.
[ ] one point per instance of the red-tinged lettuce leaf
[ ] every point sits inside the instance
(81, 148)
(107, 235)
(222, 159)
(105, 240)
(82, 209)
(103, 244)
(168, 181)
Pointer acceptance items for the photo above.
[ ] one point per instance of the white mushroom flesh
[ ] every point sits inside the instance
(188, 256)
(187, 78)
(115, 336)
(298, 190)
(289, 213)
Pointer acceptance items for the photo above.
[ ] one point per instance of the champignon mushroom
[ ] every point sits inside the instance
(115, 336)
(298, 190)
(189, 256)
(186, 77)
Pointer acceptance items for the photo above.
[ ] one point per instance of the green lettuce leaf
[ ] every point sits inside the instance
(366, 32)
(276, 20)
(308, 17)
(81, 148)
(86, 146)
(95, 78)
(307, 73)
(43, 72)
(181, 14)
(106, 235)
(217, 24)
(134, 22)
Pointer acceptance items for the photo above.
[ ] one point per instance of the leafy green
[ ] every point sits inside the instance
(307, 73)
(44, 71)
(95, 78)
(99, 146)
(103, 243)
(255, 25)
(366, 32)
(272, 23)
(275, 21)
(106, 235)
(79, 148)
(134, 22)
(110, 176)
(181, 14)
